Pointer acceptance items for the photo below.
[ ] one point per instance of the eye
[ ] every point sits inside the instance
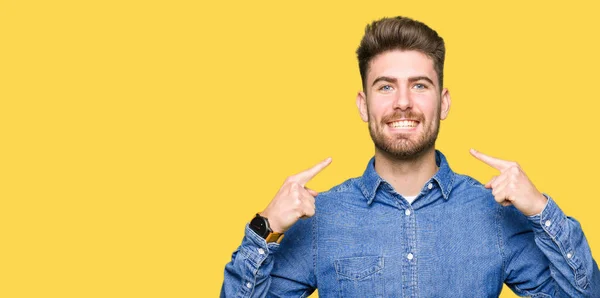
(386, 88)
(420, 86)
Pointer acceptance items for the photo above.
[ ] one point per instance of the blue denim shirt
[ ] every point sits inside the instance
(366, 240)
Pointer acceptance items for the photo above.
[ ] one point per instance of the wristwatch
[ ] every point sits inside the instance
(260, 225)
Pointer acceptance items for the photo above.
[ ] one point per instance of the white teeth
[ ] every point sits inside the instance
(403, 124)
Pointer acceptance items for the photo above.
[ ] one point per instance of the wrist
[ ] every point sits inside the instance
(272, 221)
(261, 226)
(538, 206)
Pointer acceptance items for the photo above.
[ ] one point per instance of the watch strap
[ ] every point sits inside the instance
(274, 237)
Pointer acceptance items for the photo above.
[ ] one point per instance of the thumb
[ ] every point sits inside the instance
(489, 184)
(313, 193)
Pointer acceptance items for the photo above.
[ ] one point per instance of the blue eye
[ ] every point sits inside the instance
(386, 88)
(419, 86)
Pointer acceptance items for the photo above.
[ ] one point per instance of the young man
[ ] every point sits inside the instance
(410, 226)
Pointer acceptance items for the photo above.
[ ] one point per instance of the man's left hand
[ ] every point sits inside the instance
(512, 187)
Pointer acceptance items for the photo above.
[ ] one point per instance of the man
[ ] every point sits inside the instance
(410, 226)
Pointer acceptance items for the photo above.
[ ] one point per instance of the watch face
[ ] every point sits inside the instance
(259, 225)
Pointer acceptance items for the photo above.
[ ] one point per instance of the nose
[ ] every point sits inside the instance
(403, 101)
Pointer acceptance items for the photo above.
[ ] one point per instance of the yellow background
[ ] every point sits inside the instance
(138, 137)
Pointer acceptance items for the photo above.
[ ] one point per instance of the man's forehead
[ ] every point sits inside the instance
(401, 65)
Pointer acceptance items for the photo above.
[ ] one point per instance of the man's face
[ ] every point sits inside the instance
(403, 103)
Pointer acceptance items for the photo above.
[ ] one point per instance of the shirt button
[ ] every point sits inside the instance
(261, 251)
(430, 186)
(569, 255)
(548, 223)
(410, 256)
(407, 212)
(248, 285)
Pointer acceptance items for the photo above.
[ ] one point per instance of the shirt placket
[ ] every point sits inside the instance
(410, 255)
(410, 270)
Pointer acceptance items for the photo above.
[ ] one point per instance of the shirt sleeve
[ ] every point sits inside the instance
(548, 255)
(258, 269)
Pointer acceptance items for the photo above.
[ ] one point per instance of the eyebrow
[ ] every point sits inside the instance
(385, 79)
(421, 78)
(394, 80)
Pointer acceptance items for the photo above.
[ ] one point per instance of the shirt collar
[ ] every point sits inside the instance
(370, 180)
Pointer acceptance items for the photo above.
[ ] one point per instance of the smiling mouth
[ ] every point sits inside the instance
(403, 124)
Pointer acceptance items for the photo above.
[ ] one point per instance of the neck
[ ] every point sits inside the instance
(407, 176)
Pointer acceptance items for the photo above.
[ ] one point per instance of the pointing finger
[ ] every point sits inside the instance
(304, 177)
(493, 162)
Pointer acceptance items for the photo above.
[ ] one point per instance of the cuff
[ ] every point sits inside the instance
(255, 248)
(550, 221)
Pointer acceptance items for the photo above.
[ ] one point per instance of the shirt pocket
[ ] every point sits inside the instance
(360, 276)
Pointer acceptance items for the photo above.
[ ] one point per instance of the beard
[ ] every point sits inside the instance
(402, 146)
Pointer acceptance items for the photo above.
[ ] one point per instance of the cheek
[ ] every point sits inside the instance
(375, 114)
(428, 106)
(377, 108)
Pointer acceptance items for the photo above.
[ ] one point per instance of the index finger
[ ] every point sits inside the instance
(305, 176)
(493, 162)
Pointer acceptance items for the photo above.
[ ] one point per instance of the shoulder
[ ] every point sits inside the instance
(467, 190)
(349, 185)
(333, 203)
(467, 184)
(347, 188)
(346, 194)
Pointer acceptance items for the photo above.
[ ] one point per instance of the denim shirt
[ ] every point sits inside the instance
(366, 240)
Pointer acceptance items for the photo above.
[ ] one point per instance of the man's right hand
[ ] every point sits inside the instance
(293, 200)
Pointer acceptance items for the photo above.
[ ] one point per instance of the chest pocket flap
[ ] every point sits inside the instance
(360, 276)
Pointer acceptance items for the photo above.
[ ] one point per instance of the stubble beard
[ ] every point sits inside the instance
(400, 146)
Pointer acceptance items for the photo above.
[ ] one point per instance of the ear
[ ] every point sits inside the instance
(361, 104)
(445, 104)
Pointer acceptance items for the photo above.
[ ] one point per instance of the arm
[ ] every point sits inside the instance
(551, 260)
(248, 272)
(562, 241)
(258, 269)
(261, 269)
(544, 250)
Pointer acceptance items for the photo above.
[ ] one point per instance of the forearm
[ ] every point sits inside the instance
(248, 272)
(562, 241)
